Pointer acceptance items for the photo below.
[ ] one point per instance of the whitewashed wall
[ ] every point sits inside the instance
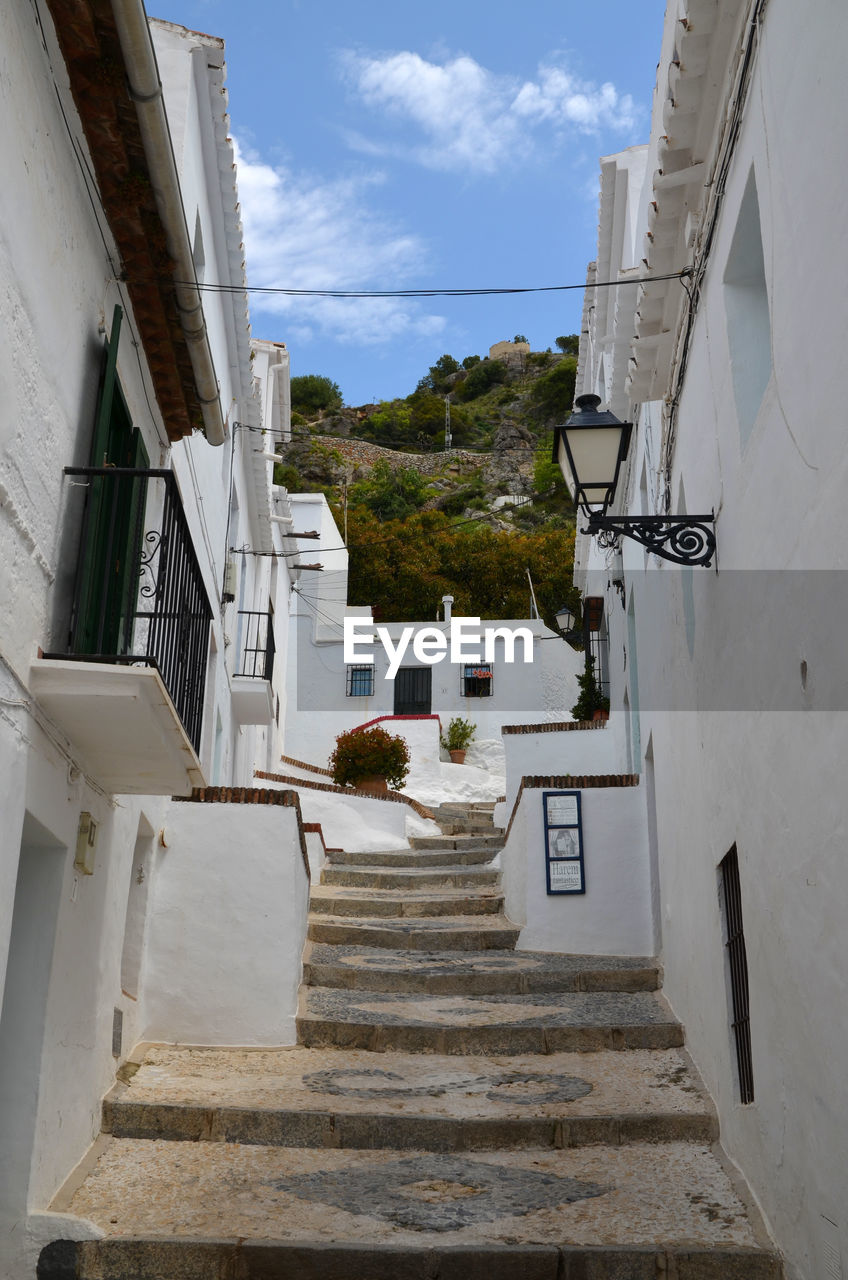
(570, 751)
(190, 66)
(83, 936)
(228, 924)
(60, 961)
(739, 742)
(613, 917)
(543, 689)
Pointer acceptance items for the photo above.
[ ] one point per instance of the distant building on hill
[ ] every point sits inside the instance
(509, 352)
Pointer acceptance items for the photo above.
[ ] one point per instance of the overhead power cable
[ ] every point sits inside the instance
(432, 293)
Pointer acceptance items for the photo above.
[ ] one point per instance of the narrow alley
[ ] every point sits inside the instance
(453, 1108)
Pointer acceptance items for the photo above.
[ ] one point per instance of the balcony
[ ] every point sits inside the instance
(129, 691)
(252, 695)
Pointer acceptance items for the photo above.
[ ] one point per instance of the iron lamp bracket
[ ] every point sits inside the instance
(686, 540)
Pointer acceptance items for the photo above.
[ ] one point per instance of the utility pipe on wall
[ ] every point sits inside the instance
(146, 92)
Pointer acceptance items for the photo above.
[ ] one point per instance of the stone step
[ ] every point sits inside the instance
(320, 1098)
(400, 904)
(152, 1259)
(473, 973)
(437, 933)
(198, 1209)
(466, 806)
(459, 829)
(409, 878)
(467, 843)
(450, 857)
(470, 821)
(546, 1023)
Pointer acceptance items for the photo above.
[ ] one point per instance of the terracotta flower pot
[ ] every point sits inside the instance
(600, 715)
(457, 757)
(374, 785)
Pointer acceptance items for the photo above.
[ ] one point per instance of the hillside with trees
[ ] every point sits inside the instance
(423, 521)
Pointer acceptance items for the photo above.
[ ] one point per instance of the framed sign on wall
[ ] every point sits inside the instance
(564, 868)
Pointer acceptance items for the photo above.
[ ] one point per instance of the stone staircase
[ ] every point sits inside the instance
(454, 1110)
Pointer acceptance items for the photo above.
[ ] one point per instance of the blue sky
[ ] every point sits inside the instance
(384, 144)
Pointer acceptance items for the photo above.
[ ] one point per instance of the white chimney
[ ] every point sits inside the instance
(447, 601)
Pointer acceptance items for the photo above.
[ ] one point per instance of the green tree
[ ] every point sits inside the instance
(312, 391)
(390, 494)
(389, 425)
(403, 568)
(484, 375)
(552, 395)
(287, 476)
(569, 344)
(427, 418)
(470, 361)
(438, 377)
(547, 477)
(519, 337)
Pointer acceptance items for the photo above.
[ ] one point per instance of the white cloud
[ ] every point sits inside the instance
(474, 120)
(309, 233)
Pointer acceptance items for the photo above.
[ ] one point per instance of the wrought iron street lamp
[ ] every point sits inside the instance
(590, 448)
(565, 622)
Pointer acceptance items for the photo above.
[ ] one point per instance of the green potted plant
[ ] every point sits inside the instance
(370, 760)
(459, 733)
(591, 705)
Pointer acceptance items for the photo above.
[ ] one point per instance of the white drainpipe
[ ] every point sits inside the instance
(447, 601)
(146, 92)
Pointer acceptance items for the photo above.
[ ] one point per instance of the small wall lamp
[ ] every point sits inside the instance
(590, 448)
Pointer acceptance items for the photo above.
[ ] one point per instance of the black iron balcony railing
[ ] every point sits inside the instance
(139, 596)
(256, 644)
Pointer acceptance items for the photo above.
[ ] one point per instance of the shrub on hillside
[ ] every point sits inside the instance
(486, 374)
(390, 494)
(552, 395)
(312, 392)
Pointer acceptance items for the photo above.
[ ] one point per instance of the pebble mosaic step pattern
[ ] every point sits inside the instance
(319, 1098)
(673, 1198)
(454, 1110)
(473, 972)
(442, 933)
(545, 1023)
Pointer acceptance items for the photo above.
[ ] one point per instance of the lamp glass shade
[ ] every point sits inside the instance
(564, 618)
(590, 448)
(594, 456)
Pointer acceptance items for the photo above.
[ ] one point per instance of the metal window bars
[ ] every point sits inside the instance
(360, 681)
(738, 968)
(476, 682)
(257, 649)
(139, 597)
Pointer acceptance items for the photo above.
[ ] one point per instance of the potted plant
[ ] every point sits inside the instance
(459, 733)
(370, 760)
(591, 705)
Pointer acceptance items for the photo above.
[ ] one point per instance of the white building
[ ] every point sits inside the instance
(729, 681)
(134, 663)
(528, 673)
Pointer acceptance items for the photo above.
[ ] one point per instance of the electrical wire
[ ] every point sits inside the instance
(324, 617)
(433, 293)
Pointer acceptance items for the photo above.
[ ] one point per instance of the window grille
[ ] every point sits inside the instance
(360, 681)
(738, 971)
(256, 642)
(476, 682)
